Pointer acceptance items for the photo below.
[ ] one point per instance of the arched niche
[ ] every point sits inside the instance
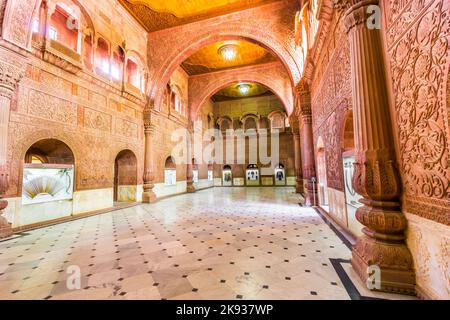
(170, 172)
(277, 120)
(48, 180)
(347, 135)
(227, 176)
(225, 123)
(125, 176)
(252, 175)
(280, 175)
(49, 151)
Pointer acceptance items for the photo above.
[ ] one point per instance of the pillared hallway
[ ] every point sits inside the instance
(133, 130)
(224, 243)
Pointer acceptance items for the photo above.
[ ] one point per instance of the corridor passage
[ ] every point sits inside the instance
(222, 243)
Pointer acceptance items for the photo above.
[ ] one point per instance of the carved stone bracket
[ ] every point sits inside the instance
(10, 76)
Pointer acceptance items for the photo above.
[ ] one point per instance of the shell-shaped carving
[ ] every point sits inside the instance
(43, 185)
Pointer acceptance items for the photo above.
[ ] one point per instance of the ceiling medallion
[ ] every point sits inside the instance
(228, 52)
(244, 88)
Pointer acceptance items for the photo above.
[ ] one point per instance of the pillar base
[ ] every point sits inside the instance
(148, 197)
(5, 227)
(309, 199)
(393, 259)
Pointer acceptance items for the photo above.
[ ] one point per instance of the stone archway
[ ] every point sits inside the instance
(273, 76)
(169, 48)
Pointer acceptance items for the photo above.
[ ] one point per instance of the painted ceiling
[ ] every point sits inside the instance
(233, 92)
(208, 59)
(161, 14)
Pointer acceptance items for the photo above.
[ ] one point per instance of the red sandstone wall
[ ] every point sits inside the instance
(86, 111)
(418, 57)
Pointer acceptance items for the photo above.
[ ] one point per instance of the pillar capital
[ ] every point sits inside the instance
(302, 88)
(10, 77)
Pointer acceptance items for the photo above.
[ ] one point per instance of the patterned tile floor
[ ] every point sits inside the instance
(223, 243)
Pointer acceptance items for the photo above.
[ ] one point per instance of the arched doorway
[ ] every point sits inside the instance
(170, 172)
(252, 175)
(280, 175)
(348, 160)
(322, 174)
(227, 176)
(47, 182)
(125, 177)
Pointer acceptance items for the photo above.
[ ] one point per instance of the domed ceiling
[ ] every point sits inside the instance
(241, 90)
(210, 58)
(160, 14)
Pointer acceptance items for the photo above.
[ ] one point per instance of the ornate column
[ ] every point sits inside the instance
(189, 165)
(298, 165)
(10, 76)
(148, 195)
(309, 164)
(376, 175)
(297, 155)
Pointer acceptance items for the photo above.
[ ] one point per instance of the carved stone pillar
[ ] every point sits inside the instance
(148, 195)
(189, 165)
(376, 175)
(298, 165)
(10, 76)
(309, 164)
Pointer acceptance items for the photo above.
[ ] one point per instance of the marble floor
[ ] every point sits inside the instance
(222, 243)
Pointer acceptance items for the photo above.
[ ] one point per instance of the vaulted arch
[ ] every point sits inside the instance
(273, 32)
(272, 75)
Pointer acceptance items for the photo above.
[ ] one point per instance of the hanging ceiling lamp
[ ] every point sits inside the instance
(244, 88)
(228, 52)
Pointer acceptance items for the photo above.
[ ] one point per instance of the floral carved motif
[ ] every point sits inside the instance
(333, 155)
(18, 20)
(97, 120)
(52, 108)
(419, 62)
(126, 128)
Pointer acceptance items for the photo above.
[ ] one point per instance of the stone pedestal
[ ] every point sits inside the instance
(376, 175)
(148, 196)
(5, 226)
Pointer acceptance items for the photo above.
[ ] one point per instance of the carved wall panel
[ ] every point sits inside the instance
(331, 96)
(17, 22)
(52, 108)
(97, 120)
(126, 128)
(418, 39)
